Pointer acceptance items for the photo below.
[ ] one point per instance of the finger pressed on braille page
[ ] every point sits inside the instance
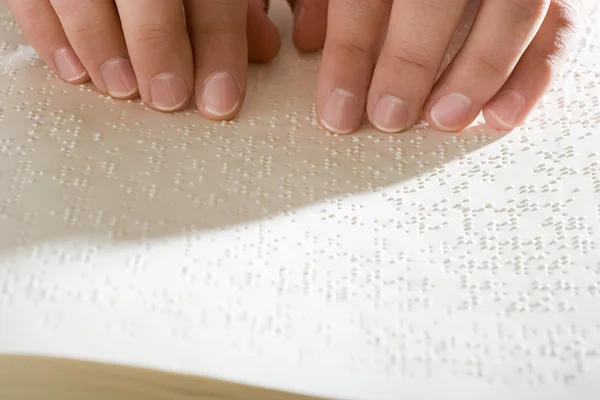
(268, 252)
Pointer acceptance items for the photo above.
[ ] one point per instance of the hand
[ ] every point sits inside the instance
(142, 47)
(510, 57)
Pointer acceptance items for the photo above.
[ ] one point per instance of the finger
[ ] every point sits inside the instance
(94, 30)
(160, 51)
(263, 37)
(536, 70)
(41, 27)
(310, 23)
(501, 33)
(218, 35)
(350, 53)
(417, 40)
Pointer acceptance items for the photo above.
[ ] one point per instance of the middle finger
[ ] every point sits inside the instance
(160, 51)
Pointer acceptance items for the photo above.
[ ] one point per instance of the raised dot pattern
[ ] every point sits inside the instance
(265, 250)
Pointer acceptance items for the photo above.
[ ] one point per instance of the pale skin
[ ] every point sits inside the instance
(155, 50)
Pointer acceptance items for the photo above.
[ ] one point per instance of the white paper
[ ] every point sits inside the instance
(413, 266)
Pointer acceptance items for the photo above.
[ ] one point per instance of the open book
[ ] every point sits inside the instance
(33, 378)
(152, 256)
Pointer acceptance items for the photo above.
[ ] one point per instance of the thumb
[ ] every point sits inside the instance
(263, 37)
(310, 23)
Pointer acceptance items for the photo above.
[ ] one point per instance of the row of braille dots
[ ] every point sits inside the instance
(593, 170)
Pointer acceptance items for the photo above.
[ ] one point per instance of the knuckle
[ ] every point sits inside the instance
(550, 54)
(67, 8)
(29, 13)
(228, 32)
(557, 33)
(381, 3)
(414, 59)
(85, 28)
(81, 18)
(154, 34)
(564, 14)
(547, 63)
(529, 9)
(357, 49)
(487, 65)
(428, 6)
(366, 5)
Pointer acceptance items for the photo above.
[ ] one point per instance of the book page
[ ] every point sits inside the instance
(265, 251)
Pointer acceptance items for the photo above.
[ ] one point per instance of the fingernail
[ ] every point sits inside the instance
(451, 112)
(119, 78)
(504, 112)
(341, 113)
(168, 92)
(221, 94)
(390, 114)
(68, 65)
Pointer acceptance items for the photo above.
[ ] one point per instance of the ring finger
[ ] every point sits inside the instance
(94, 31)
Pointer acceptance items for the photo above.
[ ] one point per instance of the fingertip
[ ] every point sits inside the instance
(119, 79)
(221, 97)
(492, 120)
(264, 40)
(450, 113)
(341, 113)
(310, 25)
(169, 93)
(504, 112)
(68, 66)
(85, 78)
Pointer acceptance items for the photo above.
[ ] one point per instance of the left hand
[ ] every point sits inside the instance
(507, 63)
(161, 50)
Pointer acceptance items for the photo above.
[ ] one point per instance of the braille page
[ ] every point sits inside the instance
(265, 251)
